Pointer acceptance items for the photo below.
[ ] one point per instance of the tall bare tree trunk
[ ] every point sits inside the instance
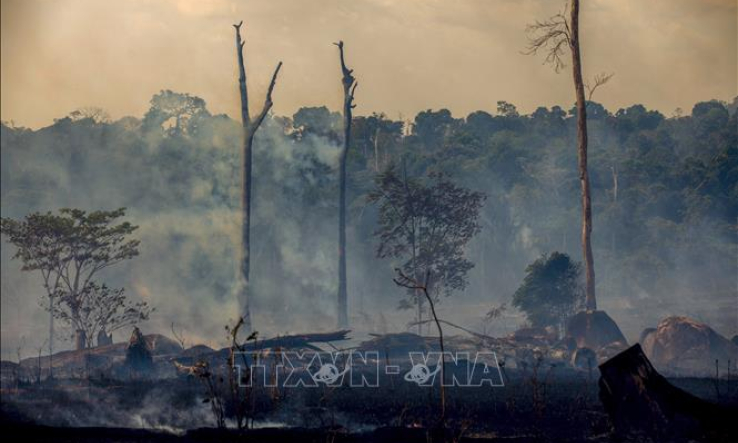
(591, 302)
(249, 130)
(349, 86)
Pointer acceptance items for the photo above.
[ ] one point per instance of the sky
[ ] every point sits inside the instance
(408, 56)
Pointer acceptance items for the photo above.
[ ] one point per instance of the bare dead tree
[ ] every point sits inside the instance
(552, 36)
(349, 87)
(250, 126)
(411, 283)
(179, 336)
(599, 80)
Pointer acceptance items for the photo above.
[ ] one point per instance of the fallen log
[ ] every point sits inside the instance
(297, 341)
(640, 400)
(468, 331)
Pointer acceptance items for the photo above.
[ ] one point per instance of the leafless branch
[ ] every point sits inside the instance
(552, 36)
(599, 80)
(268, 101)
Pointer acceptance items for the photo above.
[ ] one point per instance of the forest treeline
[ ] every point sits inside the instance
(664, 190)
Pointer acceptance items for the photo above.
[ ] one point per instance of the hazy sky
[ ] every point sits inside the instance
(408, 55)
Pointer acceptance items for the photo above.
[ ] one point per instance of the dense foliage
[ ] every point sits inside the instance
(551, 290)
(664, 193)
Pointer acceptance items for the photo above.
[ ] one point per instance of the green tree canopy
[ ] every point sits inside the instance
(551, 290)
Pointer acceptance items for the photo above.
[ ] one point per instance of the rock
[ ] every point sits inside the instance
(645, 334)
(594, 330)
(684, 346)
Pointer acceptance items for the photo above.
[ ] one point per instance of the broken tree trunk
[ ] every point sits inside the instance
(349, 87)
(297, 341)
(640, 400)
(249, 130)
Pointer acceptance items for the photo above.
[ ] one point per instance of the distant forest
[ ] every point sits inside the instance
(664, 190)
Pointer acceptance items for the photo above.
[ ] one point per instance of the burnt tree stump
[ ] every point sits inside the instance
(640, 400)
(138, 353)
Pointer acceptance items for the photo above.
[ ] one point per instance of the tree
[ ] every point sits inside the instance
(432, 127)
(376, 137)
(94, 113)
(98, 309)
(406, 282)
(507, 109)
(551, 290)
(175, 112)
(428, 228)
(349, 88)
(553, 35)
(250, 126)
(69, 249)
(316, 120)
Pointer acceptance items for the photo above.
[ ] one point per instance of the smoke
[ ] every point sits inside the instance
(183, 191)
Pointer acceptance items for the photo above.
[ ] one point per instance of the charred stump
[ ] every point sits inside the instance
(138, 354)
(104, 339)
(80, 339)
(640, 400)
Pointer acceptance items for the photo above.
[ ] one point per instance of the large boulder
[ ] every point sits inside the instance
(684, 346)
(594, 330)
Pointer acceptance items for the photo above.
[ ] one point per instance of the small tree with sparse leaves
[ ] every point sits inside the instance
(426, 225)
(69, 249)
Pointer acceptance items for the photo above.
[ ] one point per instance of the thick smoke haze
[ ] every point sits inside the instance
(663, 244)
(664, 182)
(409, 55)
